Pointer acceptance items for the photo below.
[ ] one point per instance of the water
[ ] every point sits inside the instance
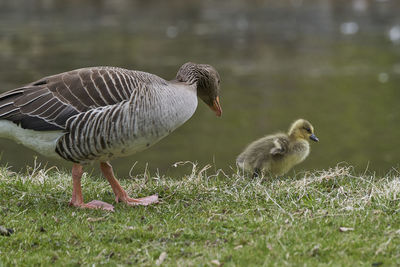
(335, 63)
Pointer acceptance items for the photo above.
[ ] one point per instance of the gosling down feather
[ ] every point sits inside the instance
(277, 154)
(100, 113)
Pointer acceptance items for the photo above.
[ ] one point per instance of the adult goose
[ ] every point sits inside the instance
(100, 113)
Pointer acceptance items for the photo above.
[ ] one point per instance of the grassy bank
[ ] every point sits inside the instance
(331, 217)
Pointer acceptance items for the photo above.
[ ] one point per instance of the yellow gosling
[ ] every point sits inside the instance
(277, 154)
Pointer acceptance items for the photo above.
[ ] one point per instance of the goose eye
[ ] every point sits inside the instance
(308, 130)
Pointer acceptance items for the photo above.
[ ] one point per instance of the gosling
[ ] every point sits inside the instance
(277, 154)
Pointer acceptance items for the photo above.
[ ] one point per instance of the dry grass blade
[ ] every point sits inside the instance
(345, 229)
(90, 219)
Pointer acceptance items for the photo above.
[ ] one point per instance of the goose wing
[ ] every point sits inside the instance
(48, 103)
(96, 133)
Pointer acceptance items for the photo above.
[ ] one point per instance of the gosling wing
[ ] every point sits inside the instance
(280, 146)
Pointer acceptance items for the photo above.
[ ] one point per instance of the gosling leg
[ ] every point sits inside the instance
(256, 173)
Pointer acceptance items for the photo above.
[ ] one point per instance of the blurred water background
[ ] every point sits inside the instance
(335, 63)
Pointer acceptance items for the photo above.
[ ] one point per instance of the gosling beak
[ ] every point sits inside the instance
(216, 107)
(314, 138)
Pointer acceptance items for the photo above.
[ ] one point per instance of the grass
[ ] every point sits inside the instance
(331, 217)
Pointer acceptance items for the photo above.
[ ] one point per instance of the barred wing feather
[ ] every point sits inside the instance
(47, 104)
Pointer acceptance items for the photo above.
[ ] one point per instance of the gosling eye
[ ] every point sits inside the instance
(307, 129)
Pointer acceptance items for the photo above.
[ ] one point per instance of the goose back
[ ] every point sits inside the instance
(48, 103)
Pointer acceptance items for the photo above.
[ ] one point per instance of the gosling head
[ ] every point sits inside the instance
(302, 129)
(207, 80)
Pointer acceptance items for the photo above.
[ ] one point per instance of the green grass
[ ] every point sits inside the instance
(204, 219)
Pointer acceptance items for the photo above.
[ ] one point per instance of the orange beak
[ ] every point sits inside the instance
(216, 107)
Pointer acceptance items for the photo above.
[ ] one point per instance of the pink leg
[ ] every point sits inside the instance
(77, 198)
(120, 193)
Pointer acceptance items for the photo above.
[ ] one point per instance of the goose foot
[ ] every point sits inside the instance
(94, 204)
(144, 201)
(120, 193)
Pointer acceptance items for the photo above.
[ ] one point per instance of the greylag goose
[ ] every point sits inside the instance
(277, 154)
(100, 113)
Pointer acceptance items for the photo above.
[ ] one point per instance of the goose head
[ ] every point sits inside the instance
(207, 81)
(302, 129)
